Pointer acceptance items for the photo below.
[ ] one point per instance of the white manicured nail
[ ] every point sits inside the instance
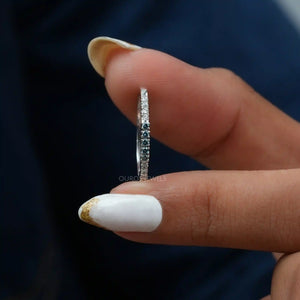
(122, 212)
(99, 49)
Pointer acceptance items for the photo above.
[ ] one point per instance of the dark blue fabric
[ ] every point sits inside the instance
(57, 150)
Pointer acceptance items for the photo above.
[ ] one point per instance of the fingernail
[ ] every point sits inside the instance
(99, 49)
(122, 212)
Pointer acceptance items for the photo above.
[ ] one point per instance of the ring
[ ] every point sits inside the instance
(143, 135)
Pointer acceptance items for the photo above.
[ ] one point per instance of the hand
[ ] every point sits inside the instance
(216, 118)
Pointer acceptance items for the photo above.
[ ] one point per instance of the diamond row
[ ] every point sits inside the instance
(145, 148)
(144, 134)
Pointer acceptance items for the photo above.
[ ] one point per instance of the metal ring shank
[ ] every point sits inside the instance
(143, 135)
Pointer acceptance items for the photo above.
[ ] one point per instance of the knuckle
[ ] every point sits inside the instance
(233, 80)
(225, 74)
(204, 201)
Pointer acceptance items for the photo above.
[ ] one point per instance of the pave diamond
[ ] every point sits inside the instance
(143, 135)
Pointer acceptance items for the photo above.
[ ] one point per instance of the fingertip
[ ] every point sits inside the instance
(100, 48)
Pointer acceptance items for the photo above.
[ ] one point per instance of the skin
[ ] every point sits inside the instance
(251, 198)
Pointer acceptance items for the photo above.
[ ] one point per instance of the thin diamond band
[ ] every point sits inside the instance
(143, 135)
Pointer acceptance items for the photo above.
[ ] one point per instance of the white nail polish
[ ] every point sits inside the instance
(100, 47)
(123, 212)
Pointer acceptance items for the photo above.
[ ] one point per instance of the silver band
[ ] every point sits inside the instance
(143, 135)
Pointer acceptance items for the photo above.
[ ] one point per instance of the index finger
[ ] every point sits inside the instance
(208, 114)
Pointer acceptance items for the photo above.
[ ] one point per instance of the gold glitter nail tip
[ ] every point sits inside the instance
(84, 211)
(123, 212)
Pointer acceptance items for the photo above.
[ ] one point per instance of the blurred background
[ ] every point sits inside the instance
(63, 142)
